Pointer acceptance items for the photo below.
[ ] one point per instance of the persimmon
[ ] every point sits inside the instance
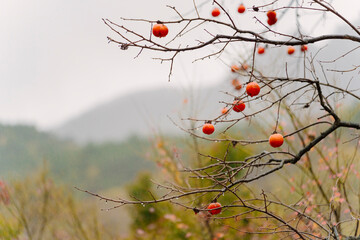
(239, 106)
(261, 50)
(216, 208)
(160, 30)
(252, 89)
(235, 68)
(215, 12)
(271, 17)
(241, 8)
(304, 48)
(271, 14)
(276, 140)
(208, 128)
(235, 82)
(291, 50)
(224, 110)
(272, 21)
(238, 86)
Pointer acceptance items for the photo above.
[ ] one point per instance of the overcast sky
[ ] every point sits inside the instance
(55, 61)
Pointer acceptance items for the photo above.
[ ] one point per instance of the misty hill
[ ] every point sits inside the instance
(23, 150)
(142, 113)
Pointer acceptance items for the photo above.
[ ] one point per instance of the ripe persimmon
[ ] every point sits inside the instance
(271, 14)
(276, 140)
(238, 86)
(160, 30)
(239, 106)
(216, 208)
(244, 66)
(271, 17)
(272, 21)
(208, 128)
(291, 50)
(224, 110)
(235, 68)
(241, 8)
(215, 12)
(236, 83)
(261, 50)
(252, 89)
(304, 48)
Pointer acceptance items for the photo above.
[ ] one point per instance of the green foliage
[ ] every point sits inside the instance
(40, 209)
(143, 215)
(23, 148)
(8, 228)
(158, 221)
(171, 221)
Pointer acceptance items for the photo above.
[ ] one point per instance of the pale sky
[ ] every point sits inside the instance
(55, 61)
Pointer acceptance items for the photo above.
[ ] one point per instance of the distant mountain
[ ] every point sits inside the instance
(141, 114)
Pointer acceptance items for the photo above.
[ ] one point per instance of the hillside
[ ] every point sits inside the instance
(23, 149)
(141, 114)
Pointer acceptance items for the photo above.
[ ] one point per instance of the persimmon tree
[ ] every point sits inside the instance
(299, 103)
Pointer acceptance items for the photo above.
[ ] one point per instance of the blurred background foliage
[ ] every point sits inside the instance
(23, 149)
(42, 203)
(39, 171)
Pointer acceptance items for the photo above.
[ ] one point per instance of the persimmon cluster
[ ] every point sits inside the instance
(216, 11)
(290, 50)
(252, 90)
(160, 30)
